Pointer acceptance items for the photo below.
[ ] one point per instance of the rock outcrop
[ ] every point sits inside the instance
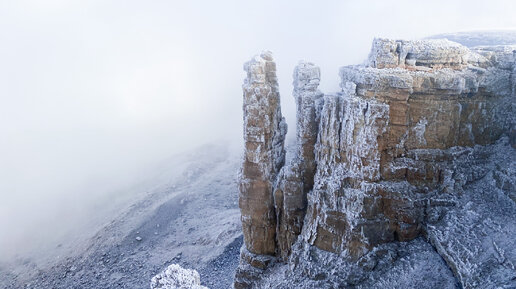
(385, 160)
(176, 277)
(297, 178)
(264, 136)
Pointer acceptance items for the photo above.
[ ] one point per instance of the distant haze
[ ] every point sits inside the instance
(96, 93)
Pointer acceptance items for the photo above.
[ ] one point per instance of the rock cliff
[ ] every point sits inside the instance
(412, 157)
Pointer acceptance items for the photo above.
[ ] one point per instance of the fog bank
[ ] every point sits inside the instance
(95, 94)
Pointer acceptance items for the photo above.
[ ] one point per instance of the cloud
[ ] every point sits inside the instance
(94, 92)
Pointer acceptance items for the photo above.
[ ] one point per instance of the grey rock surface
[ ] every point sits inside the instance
(177, 277)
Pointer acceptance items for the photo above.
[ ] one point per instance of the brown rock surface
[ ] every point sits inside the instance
(380, 151)
(264, 134)
(377, 161)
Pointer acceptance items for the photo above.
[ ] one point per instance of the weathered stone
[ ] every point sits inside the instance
(264, 134)
(393, 152)
(296, 180)
(175, 276)
(290, 202)
(308, 100)
(438, 53)
(348, 156)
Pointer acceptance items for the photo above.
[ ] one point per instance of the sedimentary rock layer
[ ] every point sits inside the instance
(264, 135)
(382, 160)
(297, 178)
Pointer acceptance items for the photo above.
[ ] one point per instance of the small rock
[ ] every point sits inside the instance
(138, 238)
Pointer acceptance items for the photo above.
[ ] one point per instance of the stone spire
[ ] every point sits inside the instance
(297, 179)
(264, 135)
(308, 101)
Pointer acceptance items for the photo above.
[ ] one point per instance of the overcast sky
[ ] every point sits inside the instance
(94, 92)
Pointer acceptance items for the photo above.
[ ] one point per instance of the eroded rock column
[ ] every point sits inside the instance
(264, 135)
(309, 102)
(297, 179)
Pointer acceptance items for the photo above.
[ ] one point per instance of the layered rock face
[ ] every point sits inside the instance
(264, 135)
(297, 179)
(386, 160)
(383, 151)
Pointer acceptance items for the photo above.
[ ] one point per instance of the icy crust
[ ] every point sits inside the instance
(442, 64)
(347, 152)
(500, 56)
(470, 229)
(308, 100)
(440, 108)
(416, 265)
(296, 179)
(349, 129)
(413, 264)
(266, 130)
(446, 82)
(476, 237)
(176, 277)
(438, 53)
(396, 151)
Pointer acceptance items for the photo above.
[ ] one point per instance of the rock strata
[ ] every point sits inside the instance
(297, 178)
(383, 161)
(264, 135)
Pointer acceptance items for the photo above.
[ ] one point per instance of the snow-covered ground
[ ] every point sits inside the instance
(190, 218)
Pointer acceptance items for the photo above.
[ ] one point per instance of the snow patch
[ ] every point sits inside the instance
(177, 277)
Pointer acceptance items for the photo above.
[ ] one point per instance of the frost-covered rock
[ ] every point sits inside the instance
(412, 146)
(264, 135)
(297, 178)
(476, 237)
(438, 53)
(264, 156)
(176, 277)
(308, 102)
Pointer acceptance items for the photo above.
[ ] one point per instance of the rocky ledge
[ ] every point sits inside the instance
(406, 175)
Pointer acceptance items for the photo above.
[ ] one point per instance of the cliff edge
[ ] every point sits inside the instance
(407, 174)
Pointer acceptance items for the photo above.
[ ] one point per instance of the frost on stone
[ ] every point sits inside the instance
(348, 157)
(413, 264)
(297, 178)
(264, 156)
(437, 53)
(418, 143)
(475, 237)
(176, 277)
(264, 135)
